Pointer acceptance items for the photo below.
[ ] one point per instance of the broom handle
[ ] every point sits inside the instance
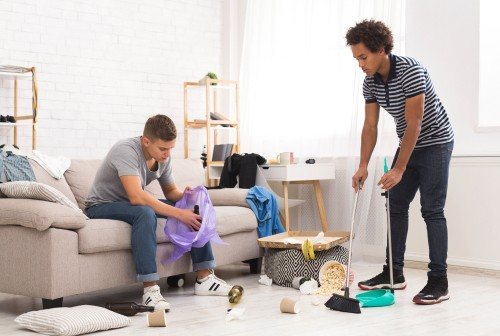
(350, 243)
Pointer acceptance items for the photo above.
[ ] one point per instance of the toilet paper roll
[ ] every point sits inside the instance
(157, 319)
(290, 306)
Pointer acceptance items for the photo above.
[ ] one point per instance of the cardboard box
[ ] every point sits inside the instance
(332, 238)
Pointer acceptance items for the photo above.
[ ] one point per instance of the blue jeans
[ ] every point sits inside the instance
(427, 170)
(144, 220)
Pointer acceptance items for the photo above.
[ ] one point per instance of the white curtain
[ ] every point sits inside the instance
(301, 92)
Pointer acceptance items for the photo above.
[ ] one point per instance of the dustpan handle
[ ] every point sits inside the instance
(389, 239)
(389, 230)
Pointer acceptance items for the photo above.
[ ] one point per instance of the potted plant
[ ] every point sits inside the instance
(210, 75)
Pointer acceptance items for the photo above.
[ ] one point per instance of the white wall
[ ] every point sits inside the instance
(104, 67)
(472, 214)
(444, 36)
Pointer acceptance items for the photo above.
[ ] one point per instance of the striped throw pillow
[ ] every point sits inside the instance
(72, 321)
(35, 190)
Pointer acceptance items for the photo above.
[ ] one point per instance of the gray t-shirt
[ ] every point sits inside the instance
(125, 158)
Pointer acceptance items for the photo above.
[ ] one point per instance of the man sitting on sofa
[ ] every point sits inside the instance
(118, 193)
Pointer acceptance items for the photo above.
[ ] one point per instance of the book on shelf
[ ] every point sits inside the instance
(218, 116)
(222, 151)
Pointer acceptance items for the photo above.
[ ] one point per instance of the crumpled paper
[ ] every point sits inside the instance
(316, 301)
(265, 280)
(319, 239)
(308, 287)
(235, 314)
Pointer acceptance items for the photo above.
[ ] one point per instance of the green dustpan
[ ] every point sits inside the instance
(376, 298)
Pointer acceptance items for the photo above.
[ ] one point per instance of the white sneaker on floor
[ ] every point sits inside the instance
(212, 285)
(152, 297)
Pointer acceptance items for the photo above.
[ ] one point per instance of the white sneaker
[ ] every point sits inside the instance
(152, 297)
(212, 285)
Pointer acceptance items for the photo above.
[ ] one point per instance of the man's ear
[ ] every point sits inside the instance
(146, 140)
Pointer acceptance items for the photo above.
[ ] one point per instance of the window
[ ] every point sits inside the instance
(489, 65)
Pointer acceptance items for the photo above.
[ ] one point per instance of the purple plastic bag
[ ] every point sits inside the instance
(181, 235)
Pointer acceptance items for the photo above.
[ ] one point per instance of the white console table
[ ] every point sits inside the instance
(302, 174)
(294, 174)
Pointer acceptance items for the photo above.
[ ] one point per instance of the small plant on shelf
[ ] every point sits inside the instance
(210, 75)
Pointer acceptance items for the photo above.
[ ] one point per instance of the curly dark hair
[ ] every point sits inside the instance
(160, 127)
(374, 35)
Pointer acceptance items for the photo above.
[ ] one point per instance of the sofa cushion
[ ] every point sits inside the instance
(39, 214)
(80, 176)
(188, 172)
(229, 196)
(100, 235)
(42, 176)
(233, 219)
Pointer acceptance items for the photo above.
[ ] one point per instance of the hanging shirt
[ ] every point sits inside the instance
(265, 207)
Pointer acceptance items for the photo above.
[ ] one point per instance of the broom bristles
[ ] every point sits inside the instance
(343, 304)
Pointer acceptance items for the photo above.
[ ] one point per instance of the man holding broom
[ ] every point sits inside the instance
(402, 86)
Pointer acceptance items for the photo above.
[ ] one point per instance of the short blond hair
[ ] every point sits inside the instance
(160, 127)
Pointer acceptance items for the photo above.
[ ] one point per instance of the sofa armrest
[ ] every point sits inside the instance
(229, 197)
(39, 215)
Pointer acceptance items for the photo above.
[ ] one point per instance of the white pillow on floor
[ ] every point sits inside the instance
(72, 321)
(35, 190)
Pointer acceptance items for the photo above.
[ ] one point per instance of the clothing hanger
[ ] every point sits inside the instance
(8, 152)
(3, 145)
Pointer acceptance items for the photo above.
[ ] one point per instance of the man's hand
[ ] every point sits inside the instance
(190, 219)
(188, 189)
(391, 178)
(360, 176)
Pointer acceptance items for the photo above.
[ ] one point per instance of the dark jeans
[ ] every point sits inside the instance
(144, 221)
(427, 171)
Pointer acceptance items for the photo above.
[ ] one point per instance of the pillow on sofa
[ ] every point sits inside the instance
(35, 190)
(72, 321)
(79, 176)
(42, 176)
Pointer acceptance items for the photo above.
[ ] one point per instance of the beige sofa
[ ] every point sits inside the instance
(50, 251)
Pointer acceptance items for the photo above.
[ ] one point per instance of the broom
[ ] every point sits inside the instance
(344, 303)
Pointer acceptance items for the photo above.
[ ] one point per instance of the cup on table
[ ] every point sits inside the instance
(286, 158)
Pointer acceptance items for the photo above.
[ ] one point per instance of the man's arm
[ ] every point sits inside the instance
(171, 192)
(137, 196)
(414, 112)
(369, 133)
(368, 141)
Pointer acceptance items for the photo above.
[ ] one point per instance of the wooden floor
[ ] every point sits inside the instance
(474, 309)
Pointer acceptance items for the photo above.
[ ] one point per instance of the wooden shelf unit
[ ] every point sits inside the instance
(15, 73)
(211, 101)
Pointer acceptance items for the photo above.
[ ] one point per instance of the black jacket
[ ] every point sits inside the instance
(242, 165)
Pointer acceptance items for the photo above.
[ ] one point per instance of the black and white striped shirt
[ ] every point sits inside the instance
(408, 78)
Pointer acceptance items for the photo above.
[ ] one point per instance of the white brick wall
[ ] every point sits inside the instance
(104, 67)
